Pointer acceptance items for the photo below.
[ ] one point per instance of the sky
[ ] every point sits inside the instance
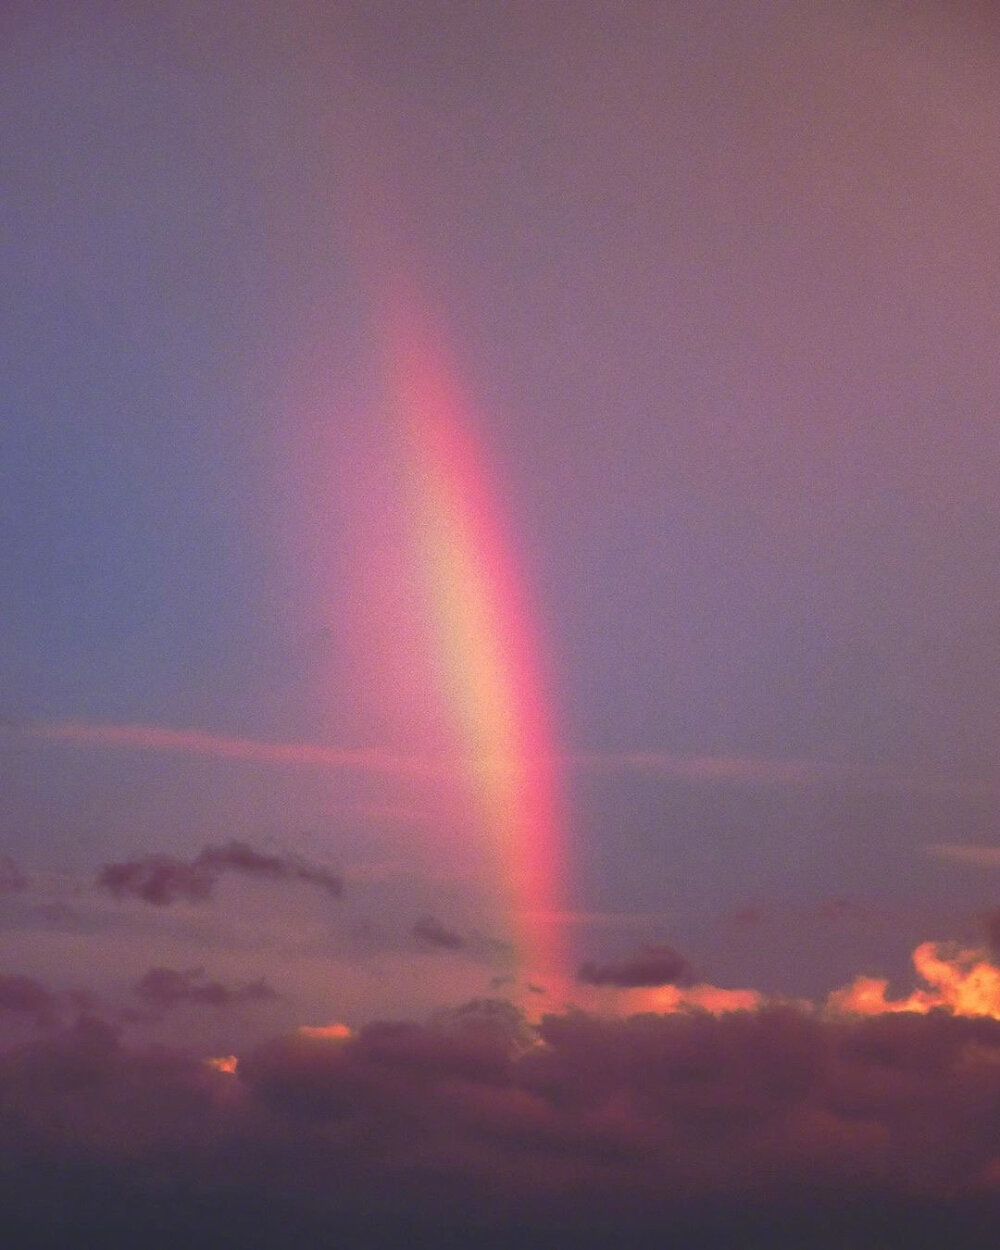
(499, 505)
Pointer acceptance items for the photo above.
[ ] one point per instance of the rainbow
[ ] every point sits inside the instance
(483, 641)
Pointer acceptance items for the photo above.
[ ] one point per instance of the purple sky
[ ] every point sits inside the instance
(720, 280)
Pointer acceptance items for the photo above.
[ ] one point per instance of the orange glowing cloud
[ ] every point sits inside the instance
(958, 981)
(669, 1000)
(717, 1001)
(335, 1032)
(964, 984)
(224, 1063)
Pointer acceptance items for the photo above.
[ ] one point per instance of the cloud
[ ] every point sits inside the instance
(650, 966)
(158, 879)
(224, 1063)
(756, 771)
(239, 857)
(741, 770)
(769, 1128)
(432, 931)
(164, 879)
(167, 987)
(678, 766)
(966, 853)
(335, 1031)
(138, 737)
(963, 982)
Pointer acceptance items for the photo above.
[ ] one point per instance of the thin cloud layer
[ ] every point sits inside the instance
(164, 879)
(719, 769)
(966, 853)
(139, 737)
(771, 1128)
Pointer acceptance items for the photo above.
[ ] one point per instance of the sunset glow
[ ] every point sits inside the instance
(226, 1064)
(963, 983)
(335, 1032)
(668, 999)
(499, 513)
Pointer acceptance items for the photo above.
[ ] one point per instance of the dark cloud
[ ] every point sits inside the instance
(157, 879)
(773, 1128)
(11, 877)
(239, 857)
(430, 930)
(498, 983)
(166, 987)
(164, 879)
(26, 996)
(652, 965)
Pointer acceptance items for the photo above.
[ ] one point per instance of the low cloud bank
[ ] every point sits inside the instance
(772, 1127)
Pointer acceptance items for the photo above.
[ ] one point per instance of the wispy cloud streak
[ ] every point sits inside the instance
(138, 737)
(963, 853)
(720, 769)
(689, 767)
(728, 769)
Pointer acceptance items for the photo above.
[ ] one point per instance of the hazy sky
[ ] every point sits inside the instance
(421, 415)
(718, 282)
